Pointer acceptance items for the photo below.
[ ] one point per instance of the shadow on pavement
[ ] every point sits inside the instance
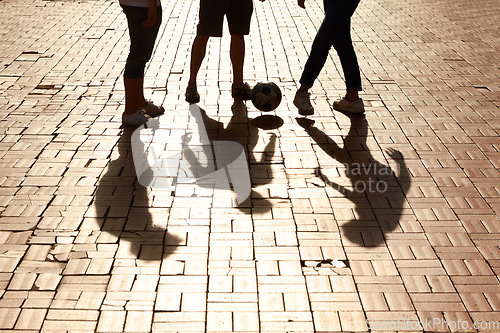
(124, 211)
(127, 213)
(377, 191)
(245, 131)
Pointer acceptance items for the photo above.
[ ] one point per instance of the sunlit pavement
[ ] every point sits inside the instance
(384, 222)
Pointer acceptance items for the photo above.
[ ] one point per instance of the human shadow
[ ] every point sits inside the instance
(123, 209)
(244, 131)
(375, 189)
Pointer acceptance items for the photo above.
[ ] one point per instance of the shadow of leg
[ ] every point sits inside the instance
(124, 212)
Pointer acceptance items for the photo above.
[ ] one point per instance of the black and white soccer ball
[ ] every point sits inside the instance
(266, 96)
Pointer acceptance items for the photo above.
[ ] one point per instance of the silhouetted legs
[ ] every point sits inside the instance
(237, 54)
(335, 30)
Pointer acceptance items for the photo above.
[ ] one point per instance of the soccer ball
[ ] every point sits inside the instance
(266, 96)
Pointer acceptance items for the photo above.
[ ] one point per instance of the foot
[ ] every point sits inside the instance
(242, 91)
(153, 110)
(135, 119)
(303, 103)
(344, 104)
(192, 96)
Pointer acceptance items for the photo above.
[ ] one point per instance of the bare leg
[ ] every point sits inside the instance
(237, 53)
(303, 88)
(134, 94)
(197, 55)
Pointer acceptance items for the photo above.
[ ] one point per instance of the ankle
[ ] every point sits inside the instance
(302, 90)
(352, 96)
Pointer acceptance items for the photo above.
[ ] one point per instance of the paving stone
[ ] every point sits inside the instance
(138, 321)
(31, 319)
(111, 321)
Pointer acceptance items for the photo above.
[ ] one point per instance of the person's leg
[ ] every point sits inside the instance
(198, 52)
(315, 62)
(239, 88)
(197, 55)
(142, 41)
(303, 88)
(334, 31)
(352, 95)
(134, 94)
(319, 50)
(237, 54)
(239, 16)
(211, 19)
(342, 43)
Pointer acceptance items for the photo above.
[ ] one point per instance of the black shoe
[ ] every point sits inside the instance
(192, 96)
(243, 92)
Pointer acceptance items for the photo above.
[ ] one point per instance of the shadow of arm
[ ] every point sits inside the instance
(403, 176)
(342, 189)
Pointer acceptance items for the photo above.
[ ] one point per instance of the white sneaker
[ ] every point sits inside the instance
(303, 103)
(345, 105)
(136, 119)
(152, 110)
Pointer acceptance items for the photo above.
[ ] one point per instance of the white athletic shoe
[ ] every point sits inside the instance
(303, 103)
(136, 119)
(353, 107)
(153, 110)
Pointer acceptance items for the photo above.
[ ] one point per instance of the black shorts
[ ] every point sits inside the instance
(212, 12)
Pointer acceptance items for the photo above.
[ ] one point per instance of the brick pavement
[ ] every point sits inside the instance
(84, 247)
